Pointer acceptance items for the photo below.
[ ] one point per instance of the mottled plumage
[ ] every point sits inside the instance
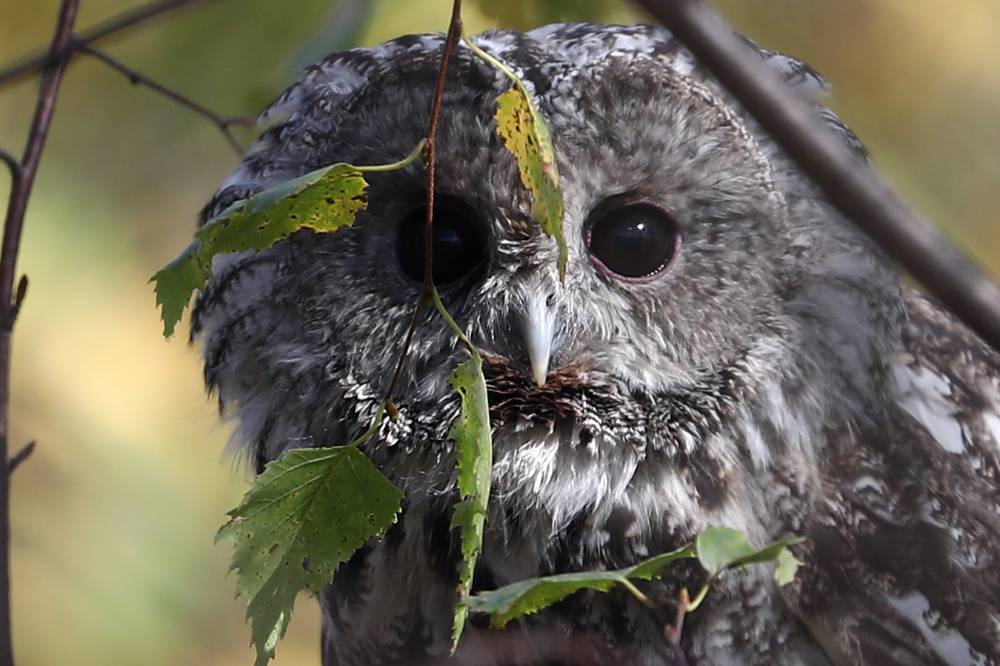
(775, 377)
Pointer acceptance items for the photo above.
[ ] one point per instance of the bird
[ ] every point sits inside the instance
(725, 349)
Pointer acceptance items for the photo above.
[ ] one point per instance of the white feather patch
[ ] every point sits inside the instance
(926, 396)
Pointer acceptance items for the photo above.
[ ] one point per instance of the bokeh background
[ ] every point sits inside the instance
(114, 515)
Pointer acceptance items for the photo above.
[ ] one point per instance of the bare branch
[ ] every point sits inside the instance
(12, 164)
(20, 457)
(426, 293)
(15, 307)
(852, 187)
(223, 123)
(20, 192)
(454, 34)
(34, 62)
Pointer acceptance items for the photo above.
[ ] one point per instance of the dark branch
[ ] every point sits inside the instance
(221, 122)
(454, 34)
(15, 307)
(12, 164)
(34, 62)
(852, 187)
(20, 457)
(37, 136)
(17, 204)
(451, 40)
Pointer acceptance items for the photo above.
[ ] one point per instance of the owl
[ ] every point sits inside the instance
(725, 350)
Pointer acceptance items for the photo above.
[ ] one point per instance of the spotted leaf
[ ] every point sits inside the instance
(526, 136)
(324, 201)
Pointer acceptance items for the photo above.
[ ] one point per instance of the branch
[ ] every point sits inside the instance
(222, 123)
(12, 164)
(20, 457)
(852, 187)
(20, 192)
(34, 62)
(427, 291)
(673, 632)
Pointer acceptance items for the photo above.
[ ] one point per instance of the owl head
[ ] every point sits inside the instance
(714, 313)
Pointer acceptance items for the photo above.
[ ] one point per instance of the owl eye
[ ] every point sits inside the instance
(458, 242)
(633, 241)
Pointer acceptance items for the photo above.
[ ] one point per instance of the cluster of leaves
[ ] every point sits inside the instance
(311, 510)
(718, 549)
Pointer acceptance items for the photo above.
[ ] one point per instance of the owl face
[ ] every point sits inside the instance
(672, 220)
(712, 304)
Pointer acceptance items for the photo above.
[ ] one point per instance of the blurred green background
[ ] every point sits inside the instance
(113, 517)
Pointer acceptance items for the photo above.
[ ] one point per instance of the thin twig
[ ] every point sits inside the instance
(404, 352)
(673, 632)
(20, 192)
(454, 34)
(20, 457)
(224, 124)
(852, 187)
(12, 164)
(19, 296)
(9, 315)
(38, 60)
(427, 291)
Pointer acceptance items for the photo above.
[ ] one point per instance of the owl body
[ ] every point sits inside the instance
(768, 374)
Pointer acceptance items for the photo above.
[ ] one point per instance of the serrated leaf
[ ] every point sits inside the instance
(324, 201)
(526, 136)
(721, 548)
(530, 596)
(474, 451)
(302, 518)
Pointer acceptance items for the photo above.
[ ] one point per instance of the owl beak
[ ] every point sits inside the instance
(536, 328)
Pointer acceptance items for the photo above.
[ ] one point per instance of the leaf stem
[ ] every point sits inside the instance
(395, 166)
(436, 299)
(693, 604)
(637, 593)
(372, 429)
(491, 60)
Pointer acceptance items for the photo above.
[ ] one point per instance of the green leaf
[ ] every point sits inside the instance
(721, 548)
(324, 201)
(535, 594)
(788, 566)
(474, 450)
(304, 516)
(526, 136)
